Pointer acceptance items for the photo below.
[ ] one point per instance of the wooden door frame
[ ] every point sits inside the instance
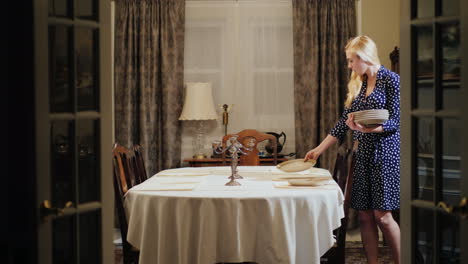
(41, 77)
(407, 126)
(42, 137)
(106, 130)
(464, 110)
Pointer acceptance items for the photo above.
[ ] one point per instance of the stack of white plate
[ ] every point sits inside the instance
(371, 117)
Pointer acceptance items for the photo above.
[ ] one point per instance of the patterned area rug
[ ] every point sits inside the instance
(354, 254)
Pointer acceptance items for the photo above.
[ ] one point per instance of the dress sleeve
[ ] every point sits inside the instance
(340, 127)
(393, 104)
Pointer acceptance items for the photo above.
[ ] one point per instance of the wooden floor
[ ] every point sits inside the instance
(355, 254)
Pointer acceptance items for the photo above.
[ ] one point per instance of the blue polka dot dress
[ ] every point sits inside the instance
(376, 182)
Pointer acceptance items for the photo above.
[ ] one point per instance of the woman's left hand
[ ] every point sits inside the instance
(355, 126)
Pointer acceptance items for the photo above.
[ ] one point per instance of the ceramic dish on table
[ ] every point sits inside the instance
(296, 165)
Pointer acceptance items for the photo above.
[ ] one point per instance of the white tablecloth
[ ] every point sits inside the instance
(203, 222)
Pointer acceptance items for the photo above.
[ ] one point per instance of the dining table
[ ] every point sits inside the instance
(189, 215)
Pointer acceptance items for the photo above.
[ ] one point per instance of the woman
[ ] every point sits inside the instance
(376, 183)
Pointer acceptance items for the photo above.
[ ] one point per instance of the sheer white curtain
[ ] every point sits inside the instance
(244, 48)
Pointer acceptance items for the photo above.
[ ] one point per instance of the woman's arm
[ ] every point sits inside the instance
(358, 127)
(337, 133)
(393, 103)
(315, 153)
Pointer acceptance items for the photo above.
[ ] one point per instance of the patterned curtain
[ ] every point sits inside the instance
(149, 61)
(321, 29)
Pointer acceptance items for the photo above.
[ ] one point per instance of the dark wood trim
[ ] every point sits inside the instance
(464, 118)
(427, 21)
(20, 237)
(407, 50)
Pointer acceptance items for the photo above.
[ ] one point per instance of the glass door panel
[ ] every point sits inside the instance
(59, 8)
(450, 7)
(450, 52)
(425, 67)
(64, 240)
(87, 9)
(88, 164)
(90, 237)
(425, 8)
(62, 162)
(425, 159)
(86, 69)
(449, 233)
(60, 94)
(451, 157)
(424, 236)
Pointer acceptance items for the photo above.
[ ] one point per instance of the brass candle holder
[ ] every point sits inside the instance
(226, 108)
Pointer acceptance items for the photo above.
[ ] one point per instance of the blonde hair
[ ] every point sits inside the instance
(364, 48)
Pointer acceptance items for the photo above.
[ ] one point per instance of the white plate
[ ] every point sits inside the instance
(296, 165)
(368, 122)
(371, 111)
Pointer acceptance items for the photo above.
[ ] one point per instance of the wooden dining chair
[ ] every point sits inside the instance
(395, 60)
(128, 162)
(139, 164)
(122, 163)
(343, 175)
(395, 66)
(252, 158)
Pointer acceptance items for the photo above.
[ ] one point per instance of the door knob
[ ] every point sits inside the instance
(46, 209)
(461, 209)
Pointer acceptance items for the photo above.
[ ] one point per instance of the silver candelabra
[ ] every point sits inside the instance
(235, 148)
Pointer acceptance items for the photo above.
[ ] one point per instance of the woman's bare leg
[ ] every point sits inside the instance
(369, 235)
(391, 231)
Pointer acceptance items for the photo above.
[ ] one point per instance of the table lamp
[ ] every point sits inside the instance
(199, 106)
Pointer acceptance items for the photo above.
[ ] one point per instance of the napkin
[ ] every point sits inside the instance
(183, 174)
(164, 187)
(304, 177)
(178, 180)
(326, 185)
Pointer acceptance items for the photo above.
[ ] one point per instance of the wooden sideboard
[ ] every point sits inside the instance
(219, 162)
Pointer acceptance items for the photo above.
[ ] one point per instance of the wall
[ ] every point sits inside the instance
(380, 20)
(245, 49)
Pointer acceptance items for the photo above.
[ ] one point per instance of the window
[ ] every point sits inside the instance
(245, 49)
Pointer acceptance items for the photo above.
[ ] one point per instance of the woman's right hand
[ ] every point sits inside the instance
(313, 154)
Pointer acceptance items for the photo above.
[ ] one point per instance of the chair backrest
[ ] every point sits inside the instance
(140, 163)
(395, 59)
(123, 161)
(124, 166)
(252, 158)
(343, 175)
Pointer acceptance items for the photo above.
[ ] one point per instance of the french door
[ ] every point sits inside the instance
(434, 173)
(73, 130)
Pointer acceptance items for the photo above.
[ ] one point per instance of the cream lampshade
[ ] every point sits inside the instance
(198, 105)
